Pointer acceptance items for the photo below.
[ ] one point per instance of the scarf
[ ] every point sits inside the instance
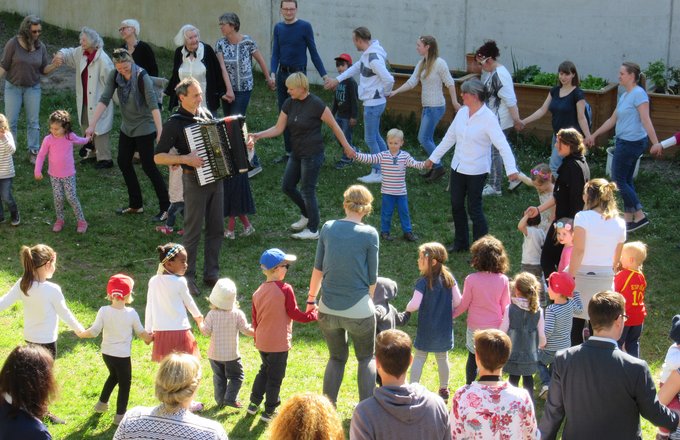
(127, 88)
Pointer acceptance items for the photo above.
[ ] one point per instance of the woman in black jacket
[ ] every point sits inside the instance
(197, 59)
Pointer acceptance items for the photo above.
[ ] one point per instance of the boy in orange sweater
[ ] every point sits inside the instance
(274, 310)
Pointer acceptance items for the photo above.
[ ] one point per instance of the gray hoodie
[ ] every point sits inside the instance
(408, 412)
(375, 80)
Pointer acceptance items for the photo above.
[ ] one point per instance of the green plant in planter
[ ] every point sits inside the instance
(526, 75)
(591, 82)
(545, 79)
(666, 79)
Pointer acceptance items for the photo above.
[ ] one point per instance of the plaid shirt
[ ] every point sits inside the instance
(223, 326)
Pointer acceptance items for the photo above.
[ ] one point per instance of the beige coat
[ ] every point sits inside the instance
(98, 72)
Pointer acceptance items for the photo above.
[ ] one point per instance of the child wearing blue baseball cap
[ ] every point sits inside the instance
(274, 310)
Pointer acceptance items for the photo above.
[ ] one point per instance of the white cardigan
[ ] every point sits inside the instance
(98, 71)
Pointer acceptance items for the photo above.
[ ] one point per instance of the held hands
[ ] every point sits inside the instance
(589, 141)
(350, 152)
(531, 211)
(519, 125)
(657, 150)
(330, 84)
(58, 59)
(428, 164)
(513, 176)
(271, 83)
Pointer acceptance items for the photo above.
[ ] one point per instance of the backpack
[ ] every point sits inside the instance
(589, 115)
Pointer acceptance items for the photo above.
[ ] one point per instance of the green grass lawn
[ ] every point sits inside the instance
(127, 244)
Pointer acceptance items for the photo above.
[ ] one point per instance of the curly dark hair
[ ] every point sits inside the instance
(489, 50)
(488, 255)
(27, 378)
(63, 118)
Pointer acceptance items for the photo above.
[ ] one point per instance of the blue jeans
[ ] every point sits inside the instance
(227, 380)
(304, 170)
(428, 122)
(625, 157)
(173, 210)
(347, 131)
(388, 203)
(6, 197)
(239, 106)
(545, 360)
(464, 186)
(555, 159)
(282, 95)
(372, 137)
(361, 331)
(30, 98)
(631, 339)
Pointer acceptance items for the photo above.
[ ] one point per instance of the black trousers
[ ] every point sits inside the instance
(144, 145)
(120, 373)
(268, 380)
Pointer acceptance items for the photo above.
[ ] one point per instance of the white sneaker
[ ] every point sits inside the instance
(306, 234)
(374, 177)
(544, 392)
(300, 224)
(489, 191)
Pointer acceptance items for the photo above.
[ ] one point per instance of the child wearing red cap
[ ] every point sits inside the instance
(117, 322)
(558, 320)
(345, 105)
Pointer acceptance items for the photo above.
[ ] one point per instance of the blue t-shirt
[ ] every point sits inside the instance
(628, 124)
(347, 254)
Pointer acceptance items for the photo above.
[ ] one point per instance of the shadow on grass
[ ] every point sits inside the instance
(244, 428)
(85, 429)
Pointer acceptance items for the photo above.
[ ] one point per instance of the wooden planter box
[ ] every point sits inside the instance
(409, 102)
(531, 97)
(665, 113)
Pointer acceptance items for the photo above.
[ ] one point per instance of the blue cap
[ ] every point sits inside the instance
(273, 257)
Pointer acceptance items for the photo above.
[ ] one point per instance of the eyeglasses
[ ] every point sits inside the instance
(625, 317)
(482, 61)
(121, 29)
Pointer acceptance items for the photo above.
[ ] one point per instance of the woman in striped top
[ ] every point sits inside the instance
(7, 149)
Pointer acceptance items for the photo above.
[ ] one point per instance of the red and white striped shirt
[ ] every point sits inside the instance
(393, 169)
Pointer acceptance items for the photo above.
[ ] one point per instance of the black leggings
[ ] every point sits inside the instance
(470, 369)
(527, 383)
(51, 347)
(120, 373)
(577, 326)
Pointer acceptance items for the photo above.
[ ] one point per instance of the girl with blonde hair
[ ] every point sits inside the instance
(307, 416)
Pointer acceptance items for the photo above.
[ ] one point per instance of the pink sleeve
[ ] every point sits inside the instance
(466, 299)
(505, 323)
(505, 298)
(72, 137)
(455, 298)
(414, 304)
(40, 159)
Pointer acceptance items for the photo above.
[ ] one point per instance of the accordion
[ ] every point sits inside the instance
(221, 143)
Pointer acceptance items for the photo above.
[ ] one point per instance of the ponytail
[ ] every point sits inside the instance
(601, 195)
(33, 258)
(527, 284)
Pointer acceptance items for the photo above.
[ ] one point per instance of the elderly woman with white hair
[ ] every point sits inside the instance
(197, 59)
(177, 381)
(92, 67)
(474, 131)
(141, 52)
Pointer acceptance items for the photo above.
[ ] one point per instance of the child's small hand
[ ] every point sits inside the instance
(428, 164)
(38, 176)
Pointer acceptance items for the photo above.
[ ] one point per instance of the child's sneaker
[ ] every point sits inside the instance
(118, 418)
(268, 416)
(180, 232)
(229, 234)
(58, 226)
(444, 394)
(252, 408)
(164, 229)
(248, 231)
(16, 219)
(81, 227)
(544, 392)
(101, 407)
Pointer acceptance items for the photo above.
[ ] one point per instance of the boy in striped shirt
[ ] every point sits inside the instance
(558, 319)
(393, 163)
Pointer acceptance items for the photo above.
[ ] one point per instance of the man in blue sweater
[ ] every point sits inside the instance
(292, 39)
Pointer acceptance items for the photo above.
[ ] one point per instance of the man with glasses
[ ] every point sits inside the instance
(601, 390)
(292, 38)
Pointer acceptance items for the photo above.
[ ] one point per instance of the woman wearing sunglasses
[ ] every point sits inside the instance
(24, 60)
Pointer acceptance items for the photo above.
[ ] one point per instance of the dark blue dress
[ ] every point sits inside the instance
(20, 425)
(435, 322)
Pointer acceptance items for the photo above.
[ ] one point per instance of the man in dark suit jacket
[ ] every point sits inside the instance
(601, 390)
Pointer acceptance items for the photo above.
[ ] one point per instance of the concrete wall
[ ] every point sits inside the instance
(596, 35)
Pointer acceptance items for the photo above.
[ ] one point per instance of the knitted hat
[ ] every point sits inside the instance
(223, 294)
(562, 283)
(119, 286)
(273, 257)
(675, 329)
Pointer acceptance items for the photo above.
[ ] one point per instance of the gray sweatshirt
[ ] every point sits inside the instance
(406, 412)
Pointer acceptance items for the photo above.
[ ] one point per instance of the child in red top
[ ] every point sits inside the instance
(274, 310)
(630, 282)
(58, 147)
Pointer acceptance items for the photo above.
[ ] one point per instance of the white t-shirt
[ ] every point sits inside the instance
(602, 237)
(167, 301)
(118, 325)
(671, 363)
(533, 245)
(42, 305)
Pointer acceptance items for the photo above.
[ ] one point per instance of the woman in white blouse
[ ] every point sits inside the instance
(197, 59)
(599, 234)
(431, 72)
(473, 131)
